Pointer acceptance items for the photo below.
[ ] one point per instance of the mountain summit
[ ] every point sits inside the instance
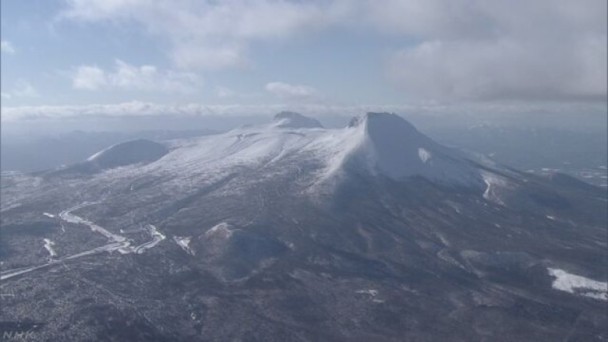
(393, 147)
(288, 119)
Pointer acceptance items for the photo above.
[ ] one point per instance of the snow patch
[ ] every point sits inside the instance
(370, 292)
(10, 206)
(97, 154)
(493, 184)
(578, 285)
(424, 155)
(184, 243)
(157, 237)
(48, 245)
(220, 230)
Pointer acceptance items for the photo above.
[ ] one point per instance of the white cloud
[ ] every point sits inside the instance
(22, 88)
(7, 47)
(224, 92)
(147, 109)
(498, 50)
(211, 34)
(290, 91)
(205, 56)
(126, 109)
(144, 109)
(500, 70)
(455, 49)
(89, 77)
(129, 77)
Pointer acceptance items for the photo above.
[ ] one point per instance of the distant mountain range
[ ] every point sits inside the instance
(577, 153)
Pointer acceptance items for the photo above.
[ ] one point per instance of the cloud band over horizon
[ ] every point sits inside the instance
(319, 52)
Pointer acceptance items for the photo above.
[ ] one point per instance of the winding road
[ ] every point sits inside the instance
(116, 242)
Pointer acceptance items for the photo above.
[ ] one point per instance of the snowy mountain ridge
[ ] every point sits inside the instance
(378, 144)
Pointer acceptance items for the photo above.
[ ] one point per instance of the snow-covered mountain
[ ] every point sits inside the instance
(290, 231)
(133, 152)
(376, 144)
(295, 120)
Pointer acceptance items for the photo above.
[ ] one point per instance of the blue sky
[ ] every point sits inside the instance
(134, 57)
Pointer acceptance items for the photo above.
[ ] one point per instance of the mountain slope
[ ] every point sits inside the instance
(138, 152)
(290, 232)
